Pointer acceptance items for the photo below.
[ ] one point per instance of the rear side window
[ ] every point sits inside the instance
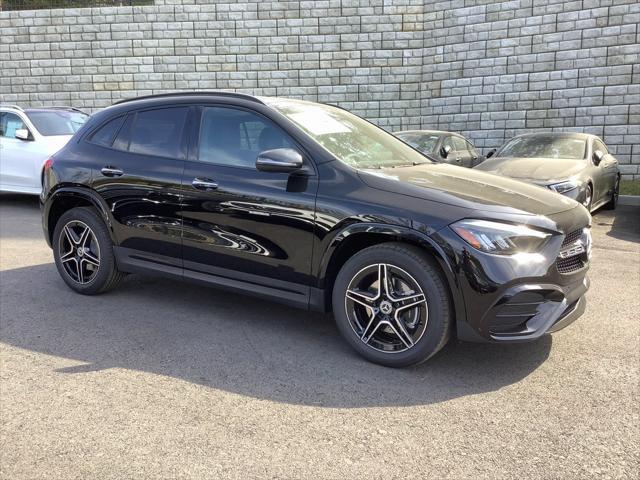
(105, 134)
(159, 132)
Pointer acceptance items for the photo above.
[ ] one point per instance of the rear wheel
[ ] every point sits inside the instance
(613, 203)
(391, 304)
(83, 252)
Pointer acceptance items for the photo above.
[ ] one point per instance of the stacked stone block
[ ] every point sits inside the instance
(489, 70)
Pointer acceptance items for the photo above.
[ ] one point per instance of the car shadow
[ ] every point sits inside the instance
(18, 211)
(235, 343)
(623, 222)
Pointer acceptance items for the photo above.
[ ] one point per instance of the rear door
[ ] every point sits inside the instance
(138, 168)
(242, 225)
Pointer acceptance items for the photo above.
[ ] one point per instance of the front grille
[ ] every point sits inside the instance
(574, 262)
(570, 265)
(571, 237)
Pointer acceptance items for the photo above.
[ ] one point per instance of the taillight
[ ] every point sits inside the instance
(48, 164)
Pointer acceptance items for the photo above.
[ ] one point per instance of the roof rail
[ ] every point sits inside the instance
(14, 107)
(198, 93)
(64, 107)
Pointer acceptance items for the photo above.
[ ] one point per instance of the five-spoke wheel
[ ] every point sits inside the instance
(79, 251)
(83, 252)
(386, 307)
(391, 304)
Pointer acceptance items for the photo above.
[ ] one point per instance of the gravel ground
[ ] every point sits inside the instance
(165, 380)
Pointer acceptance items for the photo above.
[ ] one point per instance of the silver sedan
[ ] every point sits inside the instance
(577, 165)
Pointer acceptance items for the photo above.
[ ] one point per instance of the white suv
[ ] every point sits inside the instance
(28, 137)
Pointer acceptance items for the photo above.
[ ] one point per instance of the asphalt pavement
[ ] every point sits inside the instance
(163, 380)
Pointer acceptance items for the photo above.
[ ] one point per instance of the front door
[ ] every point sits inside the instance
(19, 159)
(244, 226)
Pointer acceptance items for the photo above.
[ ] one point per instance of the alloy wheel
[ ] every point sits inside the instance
(386, 308)
(79, 252)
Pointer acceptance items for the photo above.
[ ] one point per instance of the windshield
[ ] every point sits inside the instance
(425, 142)
(547, 147)
(348, 137)
(59, 122)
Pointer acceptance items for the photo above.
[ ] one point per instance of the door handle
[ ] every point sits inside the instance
(111, 171)
(204, 184)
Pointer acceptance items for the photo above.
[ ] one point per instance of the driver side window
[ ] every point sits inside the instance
(233, 137)
(9, 123)
(447, 142)
(598, 145)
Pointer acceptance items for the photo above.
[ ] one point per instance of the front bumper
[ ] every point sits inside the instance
(556, 308)
(509, 299)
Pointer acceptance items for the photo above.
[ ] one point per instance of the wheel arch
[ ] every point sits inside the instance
(66, 198)
(359, 236)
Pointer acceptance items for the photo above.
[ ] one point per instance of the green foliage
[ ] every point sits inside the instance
(41, 4)
(630, 187)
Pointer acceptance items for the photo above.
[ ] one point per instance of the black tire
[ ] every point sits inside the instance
(613, 203)
(78, 269)
(421, 268)
(588, 198)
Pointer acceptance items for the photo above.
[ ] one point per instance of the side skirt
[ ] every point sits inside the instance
(292, 294)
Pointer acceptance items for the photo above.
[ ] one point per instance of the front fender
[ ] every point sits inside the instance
(396, 233)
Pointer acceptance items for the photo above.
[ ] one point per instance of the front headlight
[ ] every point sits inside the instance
(564, 187)
(500, 238)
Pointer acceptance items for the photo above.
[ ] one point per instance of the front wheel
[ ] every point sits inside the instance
(588, 198)
(392, 306)
(613, 203)
(83, 252)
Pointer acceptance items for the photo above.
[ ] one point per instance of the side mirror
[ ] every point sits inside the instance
(490, 153)
(283, 160)
(445, 151)
(22, 134)
(598, 155)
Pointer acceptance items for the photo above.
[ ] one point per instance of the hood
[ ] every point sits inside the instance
(53, 143)
(540, 170)
(467, 188)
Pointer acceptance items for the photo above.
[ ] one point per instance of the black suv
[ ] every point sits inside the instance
(313, 206)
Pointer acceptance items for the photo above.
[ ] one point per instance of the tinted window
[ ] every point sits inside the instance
(9, 123)
(460, 145)
(448, 142)
(236, 137)
(57, 122)
(159, 132)
(598, 145)
(104, 135)
(545, 147)
(424, 142)
(472, 150)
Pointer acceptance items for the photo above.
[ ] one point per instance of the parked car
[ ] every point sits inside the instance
(445, 147)
(576, 165)
(30, 136)
(310, 205)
